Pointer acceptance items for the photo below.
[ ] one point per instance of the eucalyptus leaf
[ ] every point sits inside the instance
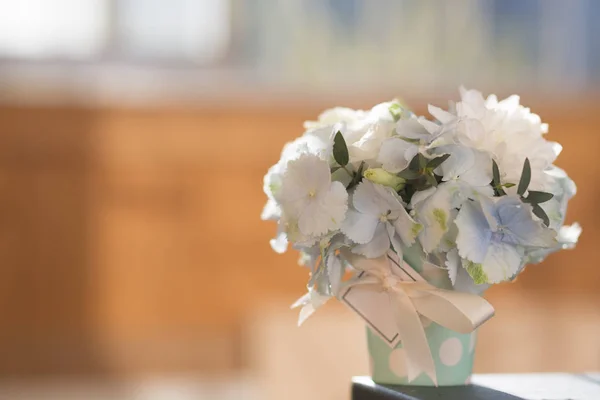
(418, 163)
(538, 197)
(431, 180)
(496, 174)
(340, 150)
(358, 175)
(539, 211)
(409, 174)
(436, 162)
(525, 178)
(498, 191)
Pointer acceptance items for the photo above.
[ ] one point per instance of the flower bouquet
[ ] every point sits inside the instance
(407, 220)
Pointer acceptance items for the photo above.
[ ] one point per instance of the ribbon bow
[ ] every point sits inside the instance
(410, 296)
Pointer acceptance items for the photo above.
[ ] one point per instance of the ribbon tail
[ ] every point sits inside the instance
(461, 312)
(414, 342)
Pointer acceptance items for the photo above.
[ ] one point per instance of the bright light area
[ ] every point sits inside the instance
(52, 29)
(190, 29)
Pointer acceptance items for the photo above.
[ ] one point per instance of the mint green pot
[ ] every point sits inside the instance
(452, 352)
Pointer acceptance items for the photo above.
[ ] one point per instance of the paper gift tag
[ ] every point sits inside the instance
(372, 303)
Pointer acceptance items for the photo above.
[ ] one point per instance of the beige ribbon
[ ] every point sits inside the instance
(458, 311)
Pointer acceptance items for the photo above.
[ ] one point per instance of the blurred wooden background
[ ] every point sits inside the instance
(130, 239)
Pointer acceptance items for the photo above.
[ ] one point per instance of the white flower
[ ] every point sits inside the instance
(563, 189)
(310, 302)
(363, 131)
(433, 208)
(367, 147)
(414, 135)
(326, 266)
(568, 235)
(469, 169)
(317, 142)
(492, 235)
(308, 196)
(354, 119)
(378, 219)
(504, 129)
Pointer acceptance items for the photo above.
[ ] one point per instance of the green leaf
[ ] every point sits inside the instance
(539, 211)
(508, 185)
(418, 162)
(536, 197)
(358, 175)
(409, 174)
(498, 191)
(431, 180)
(496, 174)
(340, 150)
(525, 178)
(436, 162)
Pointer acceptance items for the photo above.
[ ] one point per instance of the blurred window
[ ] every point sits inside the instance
(56, 28)
(180, 30)
(212, 47)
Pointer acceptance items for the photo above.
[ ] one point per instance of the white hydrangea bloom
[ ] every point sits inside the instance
(460, 233)
(433, 208)
(308, 196)
(506, 130)
(378, 218)
(492, 235)
(363, 131)
(413, 136)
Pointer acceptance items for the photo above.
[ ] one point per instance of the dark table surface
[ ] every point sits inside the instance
(554, 386)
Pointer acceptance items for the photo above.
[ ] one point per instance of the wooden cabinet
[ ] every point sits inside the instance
(130, 238)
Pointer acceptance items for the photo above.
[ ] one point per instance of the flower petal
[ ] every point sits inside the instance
(568, 235)
(464, 283)
(376, 247)
(335, 272)
(359, 227)
(406, 227)
(280, 243)
(305, 177)
(325, 212)
(452, 263)
(443, 116)
(374, 199)
(501, 262)
(434, 213)
(461, 160)
(391, 154)
(473, 239)
(271, 211)
(520, 225)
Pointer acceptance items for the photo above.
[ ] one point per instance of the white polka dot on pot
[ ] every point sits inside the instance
(451, 352)
(397, 362)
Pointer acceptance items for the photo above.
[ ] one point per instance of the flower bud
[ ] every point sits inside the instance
(381, 176)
